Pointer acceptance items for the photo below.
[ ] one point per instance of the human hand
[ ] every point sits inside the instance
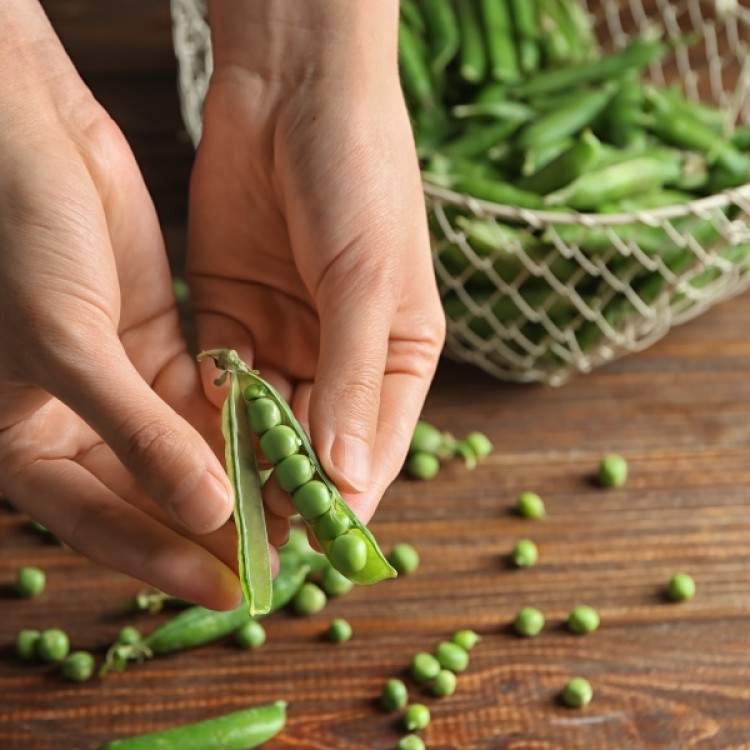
(309, 251)
(91, 348)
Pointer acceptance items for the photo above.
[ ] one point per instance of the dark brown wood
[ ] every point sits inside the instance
(667, 676)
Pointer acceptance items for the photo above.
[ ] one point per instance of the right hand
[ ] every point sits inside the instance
(97, 388)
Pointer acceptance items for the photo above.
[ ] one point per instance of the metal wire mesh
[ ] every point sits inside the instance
(523, 299)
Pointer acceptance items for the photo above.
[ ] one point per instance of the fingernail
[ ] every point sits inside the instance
(350, 457)
(201, 503)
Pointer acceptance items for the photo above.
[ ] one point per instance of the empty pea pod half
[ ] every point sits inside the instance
(255, 408)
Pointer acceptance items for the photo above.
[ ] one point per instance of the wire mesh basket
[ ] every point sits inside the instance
(531, 304)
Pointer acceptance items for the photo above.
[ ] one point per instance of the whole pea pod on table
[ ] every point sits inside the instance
(346, 542)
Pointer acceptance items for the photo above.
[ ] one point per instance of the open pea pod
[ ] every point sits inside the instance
(346, 542)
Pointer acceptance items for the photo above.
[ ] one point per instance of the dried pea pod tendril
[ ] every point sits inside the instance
(329, 528)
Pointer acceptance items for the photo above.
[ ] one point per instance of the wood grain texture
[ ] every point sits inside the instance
(667, 676)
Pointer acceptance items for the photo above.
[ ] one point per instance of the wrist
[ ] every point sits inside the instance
(288, 41)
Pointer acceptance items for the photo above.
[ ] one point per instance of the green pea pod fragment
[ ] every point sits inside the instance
(239, 730)
(339, 521)
(415, 74)
(442, 32)
(624, 115)
(526, 22)
(501, 47)
(472, 51)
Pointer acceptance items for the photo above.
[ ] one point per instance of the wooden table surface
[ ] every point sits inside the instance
(667, 676)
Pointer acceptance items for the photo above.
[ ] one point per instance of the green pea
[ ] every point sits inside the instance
(577, 693)
(583, 619)
(348, 553)
(529, 622)
(411, 742)
(444, 683)
(479, 443)
(312, 499)
(293, 471)
(467, 639)
(404, 558)
(452, 656)
(279, 442)
(525, 553)
(613, 471)
(30, 581)
(181, 290)
(426, 438)
(332, 524)
(334, 583)
(263, 415)
(681, 587)
(129, 635)
(416, 717)
(424, 667)
(339, 631)
(530, 505)
(78, 666)
(27, 643)
(309, 600)
(421, 465)
(250, 634)
(254, 391)
(53, 645)
(394, 695)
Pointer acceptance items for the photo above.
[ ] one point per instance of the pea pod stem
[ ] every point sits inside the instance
(239, 730)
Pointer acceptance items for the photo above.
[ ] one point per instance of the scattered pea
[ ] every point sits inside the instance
(312, 499)
(53, 645)
(530, 505)
(444, 683)
(293, 471)
(334, 583)
(421, 465)
(411, 742)
(479, 443)
(348, 553)
(404, 558)
(78, 666)
(577, 693)
(424, 667)
(250, 635)
(278, 443)
(30, 581)
(613, 471)
(27, 644)
(583, 619)
(309, 600)
(681, 587)
(525, 553)
(452, 656)
(128, 635)
(339, 631)
(263, 415)
(467, 639)
(394, 695)
(416, 717)
(529, 622)
(426, 438)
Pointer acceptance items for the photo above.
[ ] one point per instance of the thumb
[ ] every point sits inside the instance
(356, 304)
(165, 454)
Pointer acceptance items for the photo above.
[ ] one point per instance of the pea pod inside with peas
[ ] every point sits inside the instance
(346, 542)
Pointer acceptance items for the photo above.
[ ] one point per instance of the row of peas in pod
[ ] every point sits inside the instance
(255, 410)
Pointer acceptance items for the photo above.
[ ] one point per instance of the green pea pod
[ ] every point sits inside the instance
(712, 117)
(636, 56)
(568, 166)
(415, 74)
(239, 730)
(740, 137)
(501, 48)
(623, 120)
(561, 38)
(496, 191)
(579, 113)
(472, 52)
(503, 109)
(442, 32)
(478, 140)
(249, 514)
(639, 175)
(526, 22)
(411, 14)
(375, 567)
